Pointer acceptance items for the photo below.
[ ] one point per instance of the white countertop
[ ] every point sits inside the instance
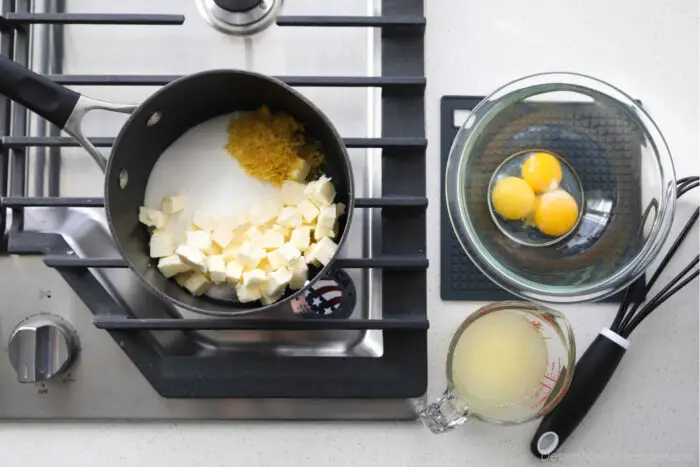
(648, 415)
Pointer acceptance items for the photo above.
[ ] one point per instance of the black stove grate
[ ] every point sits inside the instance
(400, 372)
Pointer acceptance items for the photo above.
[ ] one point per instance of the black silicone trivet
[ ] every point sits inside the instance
(460, 279)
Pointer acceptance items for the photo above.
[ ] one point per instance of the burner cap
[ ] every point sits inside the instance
(239, 17)
(333, 296)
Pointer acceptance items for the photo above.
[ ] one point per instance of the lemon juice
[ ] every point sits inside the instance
(498, 362)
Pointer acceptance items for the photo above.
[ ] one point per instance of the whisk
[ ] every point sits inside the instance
(598, 363)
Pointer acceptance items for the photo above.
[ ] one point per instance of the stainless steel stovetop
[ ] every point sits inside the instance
(102, 382)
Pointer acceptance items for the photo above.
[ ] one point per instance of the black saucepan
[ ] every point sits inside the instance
(156, 124)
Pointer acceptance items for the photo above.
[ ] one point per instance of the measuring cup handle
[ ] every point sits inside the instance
(446, 413)
(592, 373)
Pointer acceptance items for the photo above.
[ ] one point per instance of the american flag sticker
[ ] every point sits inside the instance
(333, 296)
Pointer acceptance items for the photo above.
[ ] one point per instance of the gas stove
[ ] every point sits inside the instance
(82, 339)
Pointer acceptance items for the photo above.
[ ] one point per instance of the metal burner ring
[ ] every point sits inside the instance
(243, 23)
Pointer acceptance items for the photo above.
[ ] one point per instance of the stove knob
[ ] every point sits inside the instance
(41, 347)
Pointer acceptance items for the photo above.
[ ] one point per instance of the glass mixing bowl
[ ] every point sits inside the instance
(625, 172)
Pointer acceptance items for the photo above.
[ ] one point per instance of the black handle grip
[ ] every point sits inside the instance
(40, 95)
(237, 6)
(591, 375)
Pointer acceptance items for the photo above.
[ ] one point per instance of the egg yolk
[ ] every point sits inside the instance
(556, 213)
(513, 198)
(542, 171)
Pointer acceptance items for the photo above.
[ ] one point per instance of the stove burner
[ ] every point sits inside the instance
(239, 17)
(331, 297)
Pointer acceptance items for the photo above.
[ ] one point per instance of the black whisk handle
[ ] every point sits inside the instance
(592, 373)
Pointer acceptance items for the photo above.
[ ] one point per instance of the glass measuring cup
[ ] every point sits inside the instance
(508, 363)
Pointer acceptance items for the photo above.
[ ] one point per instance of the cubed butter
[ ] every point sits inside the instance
(181, 279)
(301, 237)
(222, 235)
(325, 222)
(288, 252)
(162, 244)
(289, 217)
(193, 257)
(272, 239)
(172, 265)
(152, 217)
(174, 204)
(308, 211)
(217, 268)
(247, 294)
(274, 260)
(300, 273)
(254, 278)
(322, 252)
(270, 299)
(264, 212)
(197, 283)
(321, 191)
(234, 272)
(250, 255)
(203, 221)
(292, 193)
(339, 209)
(199, 239)
(299, 171)
(276, 282)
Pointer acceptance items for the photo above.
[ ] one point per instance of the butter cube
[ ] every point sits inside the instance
(322, 252)
(276, 282)
(253, 234)
(325, 223)
(181, 279)
(272, 239)
(250, 255)
(300, 273)
(217, 268)
(215, 249)
(234, 272)
(288, 252)
(321, 191)
(275, 260)
(197, 283)
(172, 265)
(285, 231)
(222, 235)
(173, 204)
(292, 193)
(162, 244)
(299, 171)
(339, 209)
(254, 278)
(231, 253)
(289, 217)
(247, 294)
(308, 211)
(301, 237)
(193, 257)
(152, 217)
(270, 299)
(264, 212)
(265, 265)
(199, 239)
(203, 221)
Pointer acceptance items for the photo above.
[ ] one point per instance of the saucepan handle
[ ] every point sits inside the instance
(61, 106)
(40, 95)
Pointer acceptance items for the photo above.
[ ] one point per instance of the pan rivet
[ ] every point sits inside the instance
(123, 178)
(154, 118)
